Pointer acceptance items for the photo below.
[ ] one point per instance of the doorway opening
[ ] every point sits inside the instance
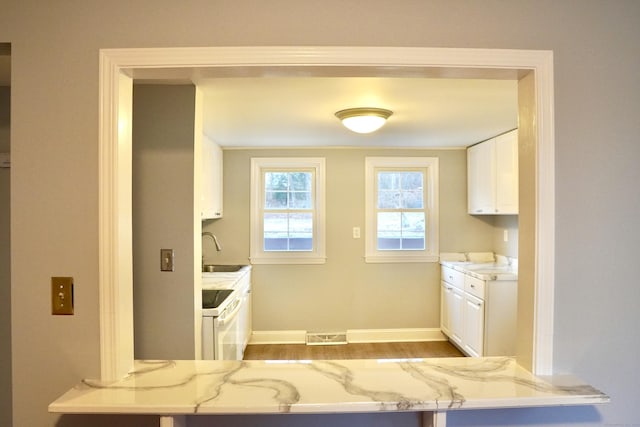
(119, 67)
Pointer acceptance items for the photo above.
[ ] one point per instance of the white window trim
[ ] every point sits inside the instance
(257, 254)
(431, 253)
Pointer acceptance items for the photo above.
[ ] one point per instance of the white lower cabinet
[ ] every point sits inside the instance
(245, 329)
(445, 308)
(451, 305)
(473, 329)
(479, 316)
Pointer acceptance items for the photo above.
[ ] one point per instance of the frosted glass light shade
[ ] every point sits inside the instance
(363, 120)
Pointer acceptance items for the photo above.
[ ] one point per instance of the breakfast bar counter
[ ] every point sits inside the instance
(174, 389)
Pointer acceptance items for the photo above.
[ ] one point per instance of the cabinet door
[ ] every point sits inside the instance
(455, 315)
(473, 330)
(445, 304)
(481, 178)
(507, 173)
(211, 196)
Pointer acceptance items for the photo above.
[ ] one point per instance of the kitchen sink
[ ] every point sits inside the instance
(220, 268)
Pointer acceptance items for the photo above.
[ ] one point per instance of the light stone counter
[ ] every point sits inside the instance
(226, 280)
(173, 389)
(482, 265)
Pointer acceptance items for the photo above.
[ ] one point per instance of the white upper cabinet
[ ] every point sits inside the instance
(481, 178)
(211, 181)
(492, 176)
(507, 173)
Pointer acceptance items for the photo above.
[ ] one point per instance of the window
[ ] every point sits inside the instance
(287, 211)
(401, 209)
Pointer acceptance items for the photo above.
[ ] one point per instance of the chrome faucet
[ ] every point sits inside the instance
(215, 242)
(215, 239)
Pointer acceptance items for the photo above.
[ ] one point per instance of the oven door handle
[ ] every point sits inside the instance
(227, 317)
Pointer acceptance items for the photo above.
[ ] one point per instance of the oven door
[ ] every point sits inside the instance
(227, 334)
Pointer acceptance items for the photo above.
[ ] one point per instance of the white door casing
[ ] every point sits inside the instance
(115, 97)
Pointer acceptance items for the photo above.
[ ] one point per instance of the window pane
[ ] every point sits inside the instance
(276, 181)
(300, 232)
(288, 190)
(411, 180)
(412, 194)
(389, 230)
(288, 232)
(413, 230)
(388, 242)
(389, 221)
(388, 199)
(301, 200)
(412, 199)
(300, 181)
(276, 200)
(276, 224)
(388, 194)
(398, 190)
(388, 181)
(401, 231)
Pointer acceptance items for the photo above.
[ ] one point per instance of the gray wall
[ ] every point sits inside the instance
(353, 293)
(5, 265)
(54, 183)
(163, 160)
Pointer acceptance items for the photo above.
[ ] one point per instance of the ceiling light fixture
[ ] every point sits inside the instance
(363, 120)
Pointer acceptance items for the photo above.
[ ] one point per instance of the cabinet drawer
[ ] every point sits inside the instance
(474, 286)
(453, 277)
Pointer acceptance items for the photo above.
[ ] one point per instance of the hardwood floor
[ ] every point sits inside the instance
(386, 350)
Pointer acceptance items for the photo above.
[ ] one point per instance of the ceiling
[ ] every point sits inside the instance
(299, 111)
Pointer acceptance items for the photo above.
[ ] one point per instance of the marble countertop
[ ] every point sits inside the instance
(482, 265)
(256, 387)
(223, 280)
(484, 271)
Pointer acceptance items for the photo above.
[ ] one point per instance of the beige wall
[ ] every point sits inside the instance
(346, 293)
(527, 245)
(163, 176)
(54, 182)
(510, 224)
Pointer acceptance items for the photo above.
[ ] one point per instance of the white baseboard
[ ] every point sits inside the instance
(278, 337)
(353, 336)
(395, 335)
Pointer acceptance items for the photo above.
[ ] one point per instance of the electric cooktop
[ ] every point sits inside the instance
(212, 298)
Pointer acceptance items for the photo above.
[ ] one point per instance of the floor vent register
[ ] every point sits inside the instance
(326, 338)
